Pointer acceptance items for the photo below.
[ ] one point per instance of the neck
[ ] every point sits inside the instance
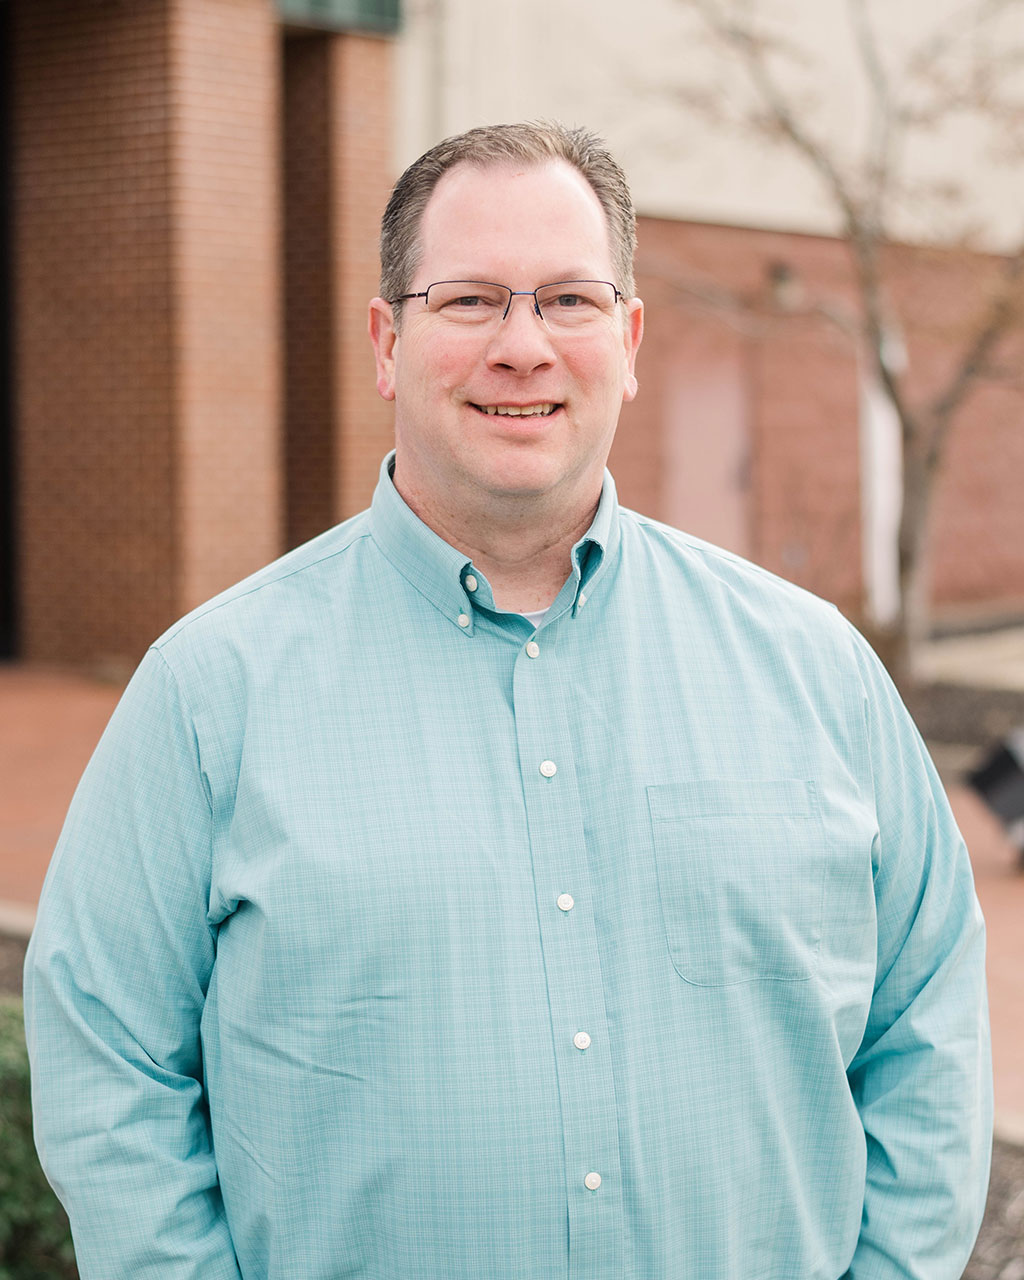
(521, 548)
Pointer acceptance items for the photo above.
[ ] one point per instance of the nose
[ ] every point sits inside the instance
(522, 341)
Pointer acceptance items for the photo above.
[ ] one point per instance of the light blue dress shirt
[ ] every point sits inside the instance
(390, 938)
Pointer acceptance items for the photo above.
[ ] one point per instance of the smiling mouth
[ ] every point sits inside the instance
(517, 411)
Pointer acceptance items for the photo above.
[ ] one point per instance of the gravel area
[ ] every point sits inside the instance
(947, 713)
(999, 1253)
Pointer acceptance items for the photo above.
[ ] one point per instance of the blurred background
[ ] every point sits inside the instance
(192, 193)
(831, 224)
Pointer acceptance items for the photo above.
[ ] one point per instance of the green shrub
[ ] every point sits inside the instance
(35, 1239)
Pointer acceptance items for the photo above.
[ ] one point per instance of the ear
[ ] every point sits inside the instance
(632, 337)
(383, 336)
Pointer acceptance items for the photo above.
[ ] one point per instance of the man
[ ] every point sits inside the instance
(504, 884)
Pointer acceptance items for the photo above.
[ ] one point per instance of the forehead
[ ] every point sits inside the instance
(523, 220)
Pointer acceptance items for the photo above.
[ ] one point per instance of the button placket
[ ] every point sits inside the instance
(561, 860)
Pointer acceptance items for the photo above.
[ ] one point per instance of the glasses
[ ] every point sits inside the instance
(564, 305)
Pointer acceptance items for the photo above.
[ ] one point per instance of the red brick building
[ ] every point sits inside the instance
(746, 430)
(193, 189)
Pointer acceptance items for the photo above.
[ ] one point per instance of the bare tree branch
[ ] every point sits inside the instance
(969, 65)
(884, 114)
(862, 232)
(1001, 313)
(1004, 375)
(751, 47)
(740, 312)
(952, 35)
(986, 84)
(731, 308)
(868, 229)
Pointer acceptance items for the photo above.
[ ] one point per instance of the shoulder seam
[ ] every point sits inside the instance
(204, 611)
(712, 552)
(187, 705)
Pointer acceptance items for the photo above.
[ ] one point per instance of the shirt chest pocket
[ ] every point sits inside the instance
(741, 877)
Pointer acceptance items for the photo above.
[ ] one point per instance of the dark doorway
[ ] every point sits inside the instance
(8, 521)
(308, 267)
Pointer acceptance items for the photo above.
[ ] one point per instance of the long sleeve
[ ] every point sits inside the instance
(922, 1076)
(649, 947)
(116, 978)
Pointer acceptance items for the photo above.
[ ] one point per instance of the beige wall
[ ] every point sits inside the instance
(619, 67)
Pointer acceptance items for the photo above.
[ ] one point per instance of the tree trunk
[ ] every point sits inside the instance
(899, 643)
(914, 561)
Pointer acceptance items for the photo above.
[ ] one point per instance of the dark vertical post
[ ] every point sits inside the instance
(310, 408)
(8, 470)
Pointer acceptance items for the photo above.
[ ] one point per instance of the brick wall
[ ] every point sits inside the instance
(146, 267)
(757, 410)
(978, 545)
(153, 333)
(94, 326)
(225, 229)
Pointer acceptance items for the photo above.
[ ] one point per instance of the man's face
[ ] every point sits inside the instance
(522, 227)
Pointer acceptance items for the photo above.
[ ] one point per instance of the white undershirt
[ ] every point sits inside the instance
(535, 618)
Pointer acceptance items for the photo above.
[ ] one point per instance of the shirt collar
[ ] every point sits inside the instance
(439, 572)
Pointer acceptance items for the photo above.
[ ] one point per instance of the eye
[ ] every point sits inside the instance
(576, 304)
(461, 298)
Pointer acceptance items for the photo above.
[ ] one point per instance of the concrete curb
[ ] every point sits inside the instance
(17, 919)
(1009, 1128)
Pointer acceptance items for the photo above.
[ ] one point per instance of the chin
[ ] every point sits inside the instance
(526, 482)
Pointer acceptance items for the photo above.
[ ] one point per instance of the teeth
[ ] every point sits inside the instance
(515, 411)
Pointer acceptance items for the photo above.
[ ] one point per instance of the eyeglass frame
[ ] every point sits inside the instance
(512, 293)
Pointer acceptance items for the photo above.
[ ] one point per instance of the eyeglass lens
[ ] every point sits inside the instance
(567, 304)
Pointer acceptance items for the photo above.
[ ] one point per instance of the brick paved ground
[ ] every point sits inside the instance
(49, 724)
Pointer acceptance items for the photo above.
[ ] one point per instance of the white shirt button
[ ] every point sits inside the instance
(471, 582)
(463, 619)
(532, 649)
(565, 902)
(592, 1181)
(581, 1040)
(583, 599)
(548, 768)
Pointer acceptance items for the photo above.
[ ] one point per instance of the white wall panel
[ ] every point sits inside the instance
(618, 66)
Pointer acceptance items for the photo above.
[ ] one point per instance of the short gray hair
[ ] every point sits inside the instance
(530, 143)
